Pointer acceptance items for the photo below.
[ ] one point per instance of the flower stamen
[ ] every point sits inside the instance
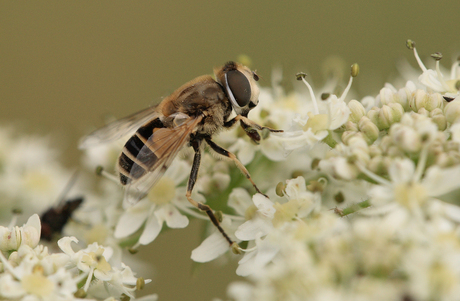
(301, 76)
(411, 45)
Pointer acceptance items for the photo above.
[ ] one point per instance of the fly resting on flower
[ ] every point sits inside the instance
(190, 116)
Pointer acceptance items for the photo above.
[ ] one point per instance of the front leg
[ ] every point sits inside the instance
(248, 126)
(231, 156)
(191, 183)
(249, 123)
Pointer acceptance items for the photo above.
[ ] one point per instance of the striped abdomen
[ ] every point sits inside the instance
(136, 158)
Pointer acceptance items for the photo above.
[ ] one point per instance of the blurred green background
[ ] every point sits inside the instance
(65, 65)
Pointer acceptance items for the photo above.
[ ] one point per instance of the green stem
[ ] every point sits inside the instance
(329, 140)
(353, 208)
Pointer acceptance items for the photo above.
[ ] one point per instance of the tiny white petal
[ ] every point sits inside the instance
(264, 205)
(439, 181)
(239, 199)
(172, 216)
(253, 227)
(401, 171)
(151, 230)
(211, 248)
(131, 220)
(64, 244)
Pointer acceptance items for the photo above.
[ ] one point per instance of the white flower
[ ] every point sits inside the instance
(409, 190)
(255, 261)
(434, 79)
(313, 127)
(215, 244)
(161, 205)
(261, 223)
(14, 237)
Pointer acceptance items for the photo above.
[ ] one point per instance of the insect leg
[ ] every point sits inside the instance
(230, 155)
(249, 123)
(191, 184)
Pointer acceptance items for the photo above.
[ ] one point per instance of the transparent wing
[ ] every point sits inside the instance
(156, 156)
(118, 128)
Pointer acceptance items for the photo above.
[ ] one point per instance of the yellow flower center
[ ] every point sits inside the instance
(163, 192)
(409, 194)
(37, 284)
(317, 122)
(97, 260)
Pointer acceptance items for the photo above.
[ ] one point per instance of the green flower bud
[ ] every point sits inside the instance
(373, 115)
(397, 109)
(357, 110)
(347, 135)
(386, 96)
(351, 126)
(386, 118)
(423, 112)
(406, 138)
(377, 165)
(439, 119)
(375, 151)
(369, 129)
(429, 101)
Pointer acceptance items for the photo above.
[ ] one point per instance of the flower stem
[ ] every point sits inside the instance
(353, 208)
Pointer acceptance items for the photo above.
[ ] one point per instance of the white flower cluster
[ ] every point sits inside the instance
(29, 272)
(31, 178)
(363, 202)
(390, 163)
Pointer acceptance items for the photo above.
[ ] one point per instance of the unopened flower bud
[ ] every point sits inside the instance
(435, 101)
(439, 119)
(377, 165)
(374, 151)
(386, 118)
(9, 239)
(29, 234)
(406, 138)
(347, 135)
(385, 143)
(395, 152)
(452, 111)
(423, 112)
(417, 100)
(429, 101)
(351, 126)
(397, 109)
(405, 94)
(369, 129)
(386, 95)
(373, 115)
(357, 110)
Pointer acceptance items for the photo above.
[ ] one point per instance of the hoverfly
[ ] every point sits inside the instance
(190, 116)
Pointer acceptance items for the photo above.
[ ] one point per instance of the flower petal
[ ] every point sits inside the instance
(172, 216)
(131, 220)
(211, 248)
(151, 230)
(253, 227)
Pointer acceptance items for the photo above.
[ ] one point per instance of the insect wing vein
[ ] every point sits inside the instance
(118, 128)
(162, 147)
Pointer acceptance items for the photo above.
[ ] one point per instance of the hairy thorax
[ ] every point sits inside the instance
(204, 97)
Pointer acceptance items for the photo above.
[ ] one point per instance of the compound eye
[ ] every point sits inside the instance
(239, 88)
